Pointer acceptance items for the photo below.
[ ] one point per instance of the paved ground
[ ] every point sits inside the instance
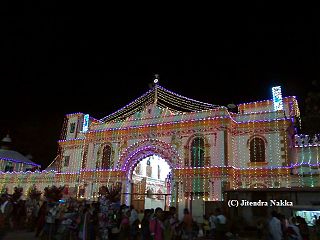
(24, 235)
(17, 235)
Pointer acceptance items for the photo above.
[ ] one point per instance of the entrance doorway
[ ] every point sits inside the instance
(151, 184)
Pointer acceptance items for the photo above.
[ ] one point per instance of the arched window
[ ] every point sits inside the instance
(257, 150)
(197, 152)
(106, 158)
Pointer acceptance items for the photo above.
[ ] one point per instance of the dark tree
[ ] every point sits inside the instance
(34, 193)
(310, 119)
(113, 194)
(53, 193)
(17, 194)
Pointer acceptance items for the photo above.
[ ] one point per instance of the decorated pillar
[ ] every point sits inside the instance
(127, 192)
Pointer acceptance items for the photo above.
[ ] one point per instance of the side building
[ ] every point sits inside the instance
(12, 165)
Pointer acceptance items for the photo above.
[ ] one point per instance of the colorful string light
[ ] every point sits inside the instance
(147, 125)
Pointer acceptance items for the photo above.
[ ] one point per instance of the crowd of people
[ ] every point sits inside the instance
(82, 220)
(75, 219)
(280, 227)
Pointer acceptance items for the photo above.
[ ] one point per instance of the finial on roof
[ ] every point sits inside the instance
(156, 80)
(7, 139)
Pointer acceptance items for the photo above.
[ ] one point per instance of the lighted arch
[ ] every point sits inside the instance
(140, 150)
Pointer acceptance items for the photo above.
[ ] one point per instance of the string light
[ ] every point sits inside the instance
(171, 114)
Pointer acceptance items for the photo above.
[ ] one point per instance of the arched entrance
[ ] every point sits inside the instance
(151, 183)
(139, 151)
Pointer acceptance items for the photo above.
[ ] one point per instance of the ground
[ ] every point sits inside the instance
(24, 235)
(16, 235)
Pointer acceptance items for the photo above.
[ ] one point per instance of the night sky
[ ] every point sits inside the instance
(53, 63)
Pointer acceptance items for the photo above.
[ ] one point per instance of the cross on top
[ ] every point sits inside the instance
(156, 78)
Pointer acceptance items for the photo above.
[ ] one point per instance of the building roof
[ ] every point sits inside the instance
(13, 156)
(160, 97)
(52, 166)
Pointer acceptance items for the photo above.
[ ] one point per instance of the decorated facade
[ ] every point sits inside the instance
(207, 149)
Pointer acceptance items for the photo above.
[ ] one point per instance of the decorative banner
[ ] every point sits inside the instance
(277, 98)
(85, 125)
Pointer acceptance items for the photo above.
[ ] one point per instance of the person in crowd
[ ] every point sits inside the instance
(317, 228)
(284, 225)
(152, 216)
(87, 229)
(167, 234)
(133, 215)
(293, 231)
(156, 225)
(41, 218)
(140, 215)
(134, 223)
(6, 210)
(187, 223)
(174, 222)
(221, 224)
(260, 227)
(35, 213)
(195, 229)
(145, 225)
(303, 227)
(50, 221)
(125, 225)
(275, 230)
(212, 224)
(206, 226)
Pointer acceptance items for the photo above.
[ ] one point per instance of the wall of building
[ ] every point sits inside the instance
(274, 153)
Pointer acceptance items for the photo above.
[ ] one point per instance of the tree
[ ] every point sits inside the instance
(311, 117)
(4, 190)
(53, 193)
(34, 193)
(17, 194)
(113, 193)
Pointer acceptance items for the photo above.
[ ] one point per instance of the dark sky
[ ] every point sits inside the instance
(53, 62)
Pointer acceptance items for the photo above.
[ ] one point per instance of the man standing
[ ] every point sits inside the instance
(187, 224)
(6, 210)
(212, 224)
(134, 223)
(275, 227)
(156, 225)
(221, 225)
(174, 222)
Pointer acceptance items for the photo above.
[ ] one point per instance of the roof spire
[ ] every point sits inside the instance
(6, 142)
(7, 139)
(155, 81)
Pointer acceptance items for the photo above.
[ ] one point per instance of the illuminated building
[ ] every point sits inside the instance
(211, 153)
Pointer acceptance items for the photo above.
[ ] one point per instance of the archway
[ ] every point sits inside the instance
(151, 183)
(142, 150)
